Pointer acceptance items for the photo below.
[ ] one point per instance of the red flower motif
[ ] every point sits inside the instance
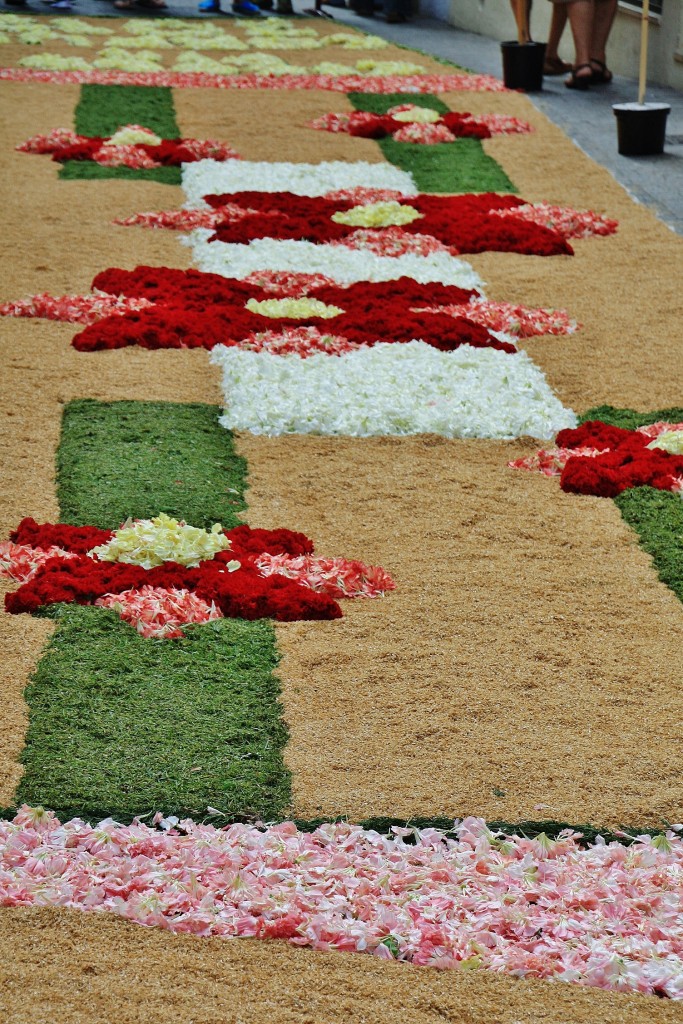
(288, 585)
(609, 460)
(65, 145)
(467, 223)
(195, 310)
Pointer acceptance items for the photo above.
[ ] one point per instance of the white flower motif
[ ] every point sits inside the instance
(336, 261)
(295, 309)
(378, 215)
(390, 389)
(206, 177)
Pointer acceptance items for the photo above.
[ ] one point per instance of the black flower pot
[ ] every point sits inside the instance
(523, 65)
(641, 128)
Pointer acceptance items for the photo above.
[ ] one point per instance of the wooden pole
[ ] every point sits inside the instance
(644, 26)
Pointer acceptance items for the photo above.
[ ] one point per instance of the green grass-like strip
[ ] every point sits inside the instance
(656, 516)
(460, 166)
(103, 109)
(120, 725)
(120, 459)
(80, 169)
(372, 103)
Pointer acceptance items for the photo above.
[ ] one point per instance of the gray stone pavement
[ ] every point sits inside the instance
(587, 117)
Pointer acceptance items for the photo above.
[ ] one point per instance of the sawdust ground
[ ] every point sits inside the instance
(95, 968)
(525, 666)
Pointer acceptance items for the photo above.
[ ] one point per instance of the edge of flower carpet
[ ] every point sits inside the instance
(528, 829)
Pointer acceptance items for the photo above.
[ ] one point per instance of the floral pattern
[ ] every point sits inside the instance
(161, 574)
(597, 458)
(131, 146)
(606, 916)
(409, 123)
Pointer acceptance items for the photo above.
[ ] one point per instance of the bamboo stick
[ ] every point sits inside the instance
(644, 26)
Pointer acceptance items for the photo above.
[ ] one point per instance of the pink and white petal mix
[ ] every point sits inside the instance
(378, 84)
(511, 319)
(337, 577)
(20, 562)
(570, 223)
(551, 461)
(606, 916)
(155, 612)
(184, 220)
(73, 309)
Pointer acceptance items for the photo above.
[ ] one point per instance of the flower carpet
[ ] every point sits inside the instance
(304, 645)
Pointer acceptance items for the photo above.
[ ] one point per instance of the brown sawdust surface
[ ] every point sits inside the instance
(96, 968)
(523, 668)
(398, 690)
(581, 695)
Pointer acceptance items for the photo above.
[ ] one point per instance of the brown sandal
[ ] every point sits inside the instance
(577, 81)
(601, 73)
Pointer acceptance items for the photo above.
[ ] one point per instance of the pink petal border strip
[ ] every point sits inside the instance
(202, 80)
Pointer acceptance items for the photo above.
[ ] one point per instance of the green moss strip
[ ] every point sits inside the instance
(656, 516)
(103, 109)
(460, 166)
(121, 725)
(140, 458)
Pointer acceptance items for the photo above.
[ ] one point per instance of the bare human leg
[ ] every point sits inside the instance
(554, 65)
(580, 13)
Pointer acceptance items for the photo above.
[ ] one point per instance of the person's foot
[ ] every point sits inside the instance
(247, 9)
(580, 78)
(555, 66)
(208, 6)
(601, 73)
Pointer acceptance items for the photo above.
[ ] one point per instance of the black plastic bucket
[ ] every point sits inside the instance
(641, 128)
(523, 65)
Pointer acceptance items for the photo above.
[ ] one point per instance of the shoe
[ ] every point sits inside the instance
(284, 7)
(577, 81)
(208, 6)
(395, 19)
(148, 5)
(264, 5)
(246, 8)
(601, 73)
(555, 66)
